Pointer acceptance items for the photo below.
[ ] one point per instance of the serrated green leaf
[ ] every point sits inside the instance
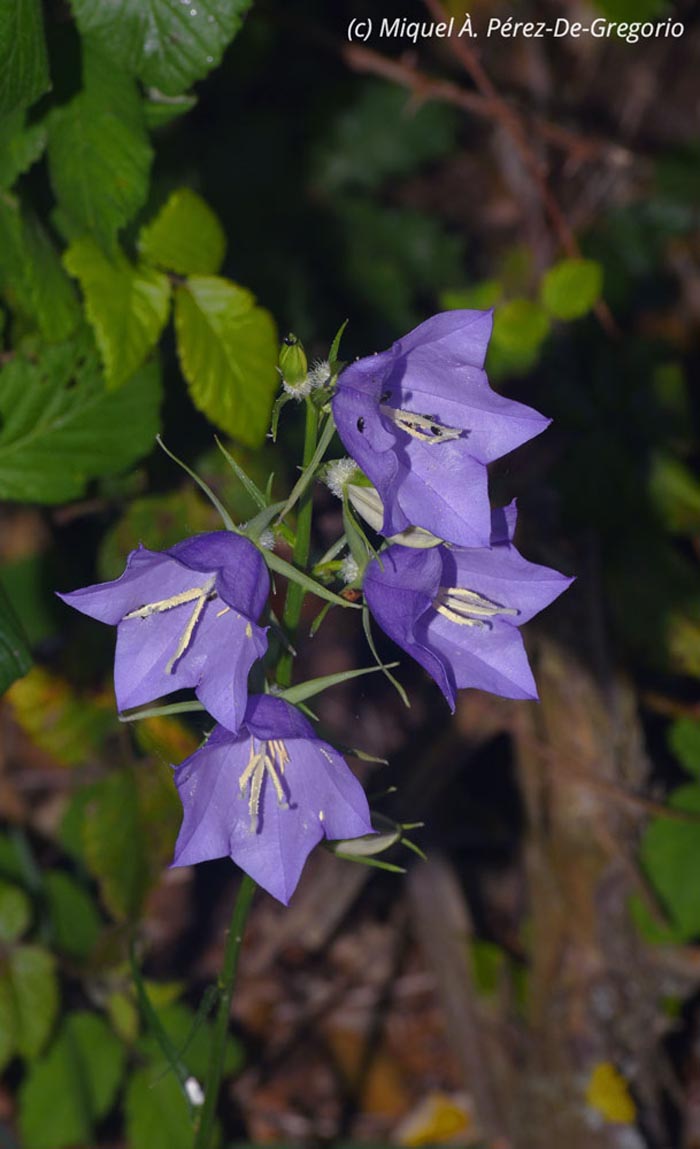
(167, 44)
(31, 276)
(75, 922)
(24, 70)
(228, 353)
(15, 912)
(185, 236)
(684, 742)
(20, 146)
(72, 1087)
(128, 833)
(670, 854)
(59, 427)
(29, 973)
(126, 306)
(99, 153)
(571, 288)
(156, 1112)
(15, 658)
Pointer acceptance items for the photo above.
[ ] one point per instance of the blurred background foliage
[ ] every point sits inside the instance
(179, 182)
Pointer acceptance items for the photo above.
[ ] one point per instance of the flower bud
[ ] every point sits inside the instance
(292, 362)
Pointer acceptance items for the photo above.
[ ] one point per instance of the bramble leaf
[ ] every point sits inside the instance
(59, 427)
(28, 982)
(99, 153)
(185, 236)
(20, 146)
(126, 306)
(73, 1086)
(24, 70)
(74, 917)
(670, 854)
(15, 912)
(228, 353)
(31, 276)
(167, 44)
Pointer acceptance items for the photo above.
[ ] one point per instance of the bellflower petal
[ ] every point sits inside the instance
(460, 622)
(422, 422)
(185, 618)
(266, 796)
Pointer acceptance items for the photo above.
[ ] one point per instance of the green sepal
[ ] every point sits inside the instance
(309, 473)
(315, 686)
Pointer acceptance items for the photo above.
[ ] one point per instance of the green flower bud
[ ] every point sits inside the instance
(292, 362)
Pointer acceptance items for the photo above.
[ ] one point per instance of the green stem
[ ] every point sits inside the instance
(295, 593)
(227, 980)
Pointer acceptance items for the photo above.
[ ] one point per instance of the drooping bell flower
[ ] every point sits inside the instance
(422, 422)
(185, 618)
(266, 796)
(457, 610)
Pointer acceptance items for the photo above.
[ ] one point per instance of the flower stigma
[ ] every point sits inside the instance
(468, 607)
(420, 426)
(270, 758)
(200, 595)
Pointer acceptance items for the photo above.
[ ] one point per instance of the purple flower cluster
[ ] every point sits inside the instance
(422, 422)
(263, 789)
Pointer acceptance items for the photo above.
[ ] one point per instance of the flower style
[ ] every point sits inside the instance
(185, 617)
(266, 796)
(457, 610)
(422, 421)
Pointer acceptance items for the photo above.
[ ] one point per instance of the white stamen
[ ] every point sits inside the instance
(270, 758)
(468, 607)
(167, 603)
(188, 632)
(219, 613)
(420, 426)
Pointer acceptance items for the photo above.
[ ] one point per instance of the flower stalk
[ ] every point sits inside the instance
(226, 984)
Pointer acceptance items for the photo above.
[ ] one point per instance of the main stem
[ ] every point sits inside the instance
(295, 593)
(227, 980)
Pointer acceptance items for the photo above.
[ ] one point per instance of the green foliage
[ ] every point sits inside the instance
(480, 296)
(520, 327)
(625, 11)
(59, 427)
(126, 305)
(191, 1037)
(675, 494)
(15, 912)
(185, 237)
(383, 134)
(126, 828)
(157, 1116)
(167, 44)
(24, 73)
(75, 921)
(99, 153)
(31, 276)
(15, 659)
(20, 146)
(670, 854)
(28, 1000)
(73, 1086)
(684, 741)
(571, 288)
(228, 353)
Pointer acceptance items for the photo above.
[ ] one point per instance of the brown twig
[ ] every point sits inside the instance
(504, 114)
